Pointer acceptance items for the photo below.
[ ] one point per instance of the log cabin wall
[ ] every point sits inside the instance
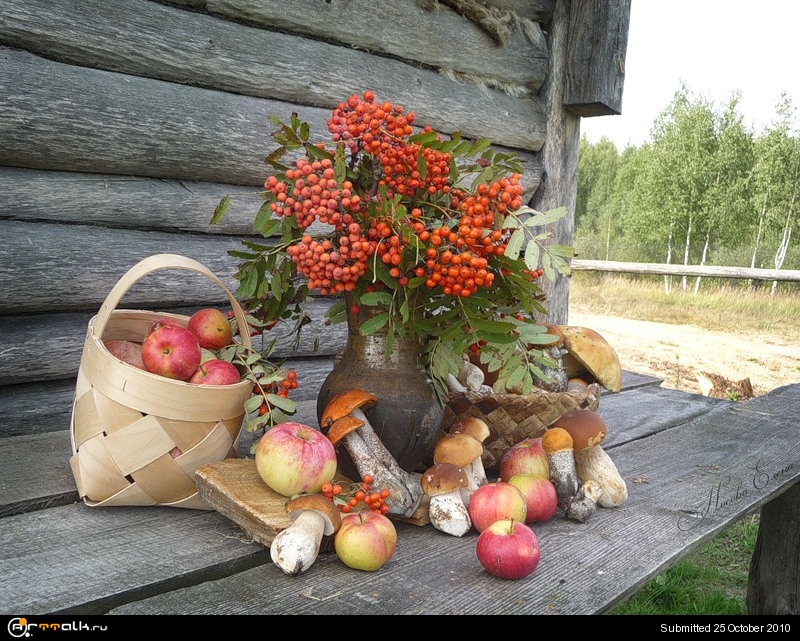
(124, 122)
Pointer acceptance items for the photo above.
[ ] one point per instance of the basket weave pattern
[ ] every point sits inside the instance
(126, 422)
(514, 417)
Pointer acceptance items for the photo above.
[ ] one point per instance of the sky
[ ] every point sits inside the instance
(715, 48)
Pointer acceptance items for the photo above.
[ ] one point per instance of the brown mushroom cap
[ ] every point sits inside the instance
(443, 478)
(594, 353)
(341, 427)
(584, 426)
(555, 440)
(458, 448)
(342, 404)
(318, 503)
(472, 425)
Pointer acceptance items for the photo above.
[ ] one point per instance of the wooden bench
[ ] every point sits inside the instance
(694, 465)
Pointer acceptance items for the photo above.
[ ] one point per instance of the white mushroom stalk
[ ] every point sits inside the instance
(345, 422)
(296, 548)
(443, 483)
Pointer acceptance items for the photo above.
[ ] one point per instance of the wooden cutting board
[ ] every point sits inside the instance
(234, 489)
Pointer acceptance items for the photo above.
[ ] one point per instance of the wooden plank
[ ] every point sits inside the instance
(598, 41)
(639, 412)
(79, 560)
(35, 472)
(152, 204)
(689, 483)
(385, 28)
(35, 408)
(237, 60)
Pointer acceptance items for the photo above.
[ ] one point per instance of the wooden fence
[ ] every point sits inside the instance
(665, 269)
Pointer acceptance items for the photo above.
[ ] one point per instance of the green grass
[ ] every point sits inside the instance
(712, 580)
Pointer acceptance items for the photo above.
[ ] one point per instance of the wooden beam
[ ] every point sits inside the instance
(710, 271)
(598, 40)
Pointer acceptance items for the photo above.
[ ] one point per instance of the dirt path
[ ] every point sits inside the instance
(677, 353)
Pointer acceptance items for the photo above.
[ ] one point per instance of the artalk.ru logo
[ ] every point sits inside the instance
(20, 627)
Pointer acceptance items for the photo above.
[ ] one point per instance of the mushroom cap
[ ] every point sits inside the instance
(584, 426)
(555, 440)
(474, 426)
(594, 353)
(555, 331)
(341, 427)
(342, 404)
(443, 478)
(319, 503)
(458, 448)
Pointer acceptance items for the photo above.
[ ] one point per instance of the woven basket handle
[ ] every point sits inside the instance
(155, 263)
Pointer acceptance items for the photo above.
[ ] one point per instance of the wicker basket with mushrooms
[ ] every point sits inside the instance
(586, 362)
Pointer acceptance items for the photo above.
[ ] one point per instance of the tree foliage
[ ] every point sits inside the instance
(704, 189)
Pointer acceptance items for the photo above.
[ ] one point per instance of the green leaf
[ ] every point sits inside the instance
(532, 256)
(372, 325)
(253, 403)
(221, 210)
(376, 298)
(515, 244)
(247, 287)
(286, 404)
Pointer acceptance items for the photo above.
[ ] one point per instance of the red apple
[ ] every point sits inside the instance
(365, 541)
(495, 502)
(171, 351)
(292, 458)
(508, 549)
(540, 494)
(216, 372)
(211, 327)
(126, 351)
(159, 323)
(526, 457)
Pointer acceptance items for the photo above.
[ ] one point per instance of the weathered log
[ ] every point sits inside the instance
(384, 28)
(559, 159)
(217, 54)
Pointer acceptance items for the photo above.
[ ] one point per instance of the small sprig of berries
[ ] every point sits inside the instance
(355, 497)
(270, 403)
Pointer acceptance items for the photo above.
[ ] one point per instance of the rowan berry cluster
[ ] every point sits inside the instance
(358, 496)
(389, 214)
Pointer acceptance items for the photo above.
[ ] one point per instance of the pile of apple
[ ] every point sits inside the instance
(181, 353)
(504, 511)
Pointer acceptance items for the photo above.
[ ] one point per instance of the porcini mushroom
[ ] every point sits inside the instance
(443, 483)
(462, 450)
(592, 463)
(475, 470)
(344, 421)
(588, 352)
(296, 548)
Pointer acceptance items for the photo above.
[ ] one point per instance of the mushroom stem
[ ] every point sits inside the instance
(594, 463)
(476, 473)
(454, 385)
(371, 456)
(581, 506)
(296, 548)
(449, 514)
(557, 443)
